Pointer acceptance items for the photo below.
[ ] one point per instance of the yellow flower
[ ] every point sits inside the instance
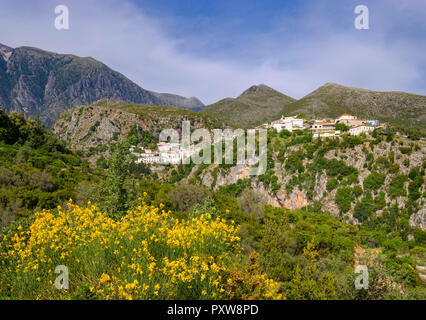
(104, 278)
(175, 253)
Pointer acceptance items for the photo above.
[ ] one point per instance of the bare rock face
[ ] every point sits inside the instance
(296, 200)
(320, 187)
(300, 196)
(105, 122)
(419, 219)
(235, 173)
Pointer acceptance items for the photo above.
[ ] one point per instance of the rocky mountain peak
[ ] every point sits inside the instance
(257, 89)
(44, 84)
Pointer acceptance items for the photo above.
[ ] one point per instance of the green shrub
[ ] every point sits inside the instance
(364, 209)
(413, 188)
(284, 134)
(184, 196)
(336, 167)
(332, 184)
(357, 191)
(252, 203)
(342, 127)
(405, 150)
(396, 186)
(394, 168)
(374, 181)
(344, 199)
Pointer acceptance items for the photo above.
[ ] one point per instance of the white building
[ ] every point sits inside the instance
(323, 129)
(297, 123)
(356, 131)
(346, 117)
(287, 123)
(148, 159)
(320, 125)
(327, 134)
(281, 126)
(167, 153)
(171, 157)
(165, 146)
(350, 120)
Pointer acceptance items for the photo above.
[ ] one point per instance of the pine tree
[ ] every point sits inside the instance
(115, 200)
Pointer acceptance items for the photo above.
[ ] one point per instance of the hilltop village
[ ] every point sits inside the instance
(173, 153)
(327, 127)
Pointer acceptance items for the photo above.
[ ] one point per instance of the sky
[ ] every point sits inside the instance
(218, 48)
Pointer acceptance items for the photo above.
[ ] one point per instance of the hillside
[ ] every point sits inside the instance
(95, 127)
(356, 178)
(296, 232)
(225, 232)
(41, 83)
(256, 105)
(169, 99)
(37, 170)
(332, 100)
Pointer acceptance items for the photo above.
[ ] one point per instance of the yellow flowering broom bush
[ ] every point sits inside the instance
(147, 254)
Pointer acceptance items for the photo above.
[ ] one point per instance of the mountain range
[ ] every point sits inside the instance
(332, 100)
(44, 84)
(260, 104)
(41, 83)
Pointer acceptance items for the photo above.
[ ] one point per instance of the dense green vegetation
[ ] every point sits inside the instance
(308, 252)
(37, 171)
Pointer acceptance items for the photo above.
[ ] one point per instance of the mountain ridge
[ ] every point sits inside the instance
(331, 100)
(256, 105)
(44, 84)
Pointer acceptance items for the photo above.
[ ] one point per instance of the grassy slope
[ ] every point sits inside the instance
(257, 105)
(332, 100)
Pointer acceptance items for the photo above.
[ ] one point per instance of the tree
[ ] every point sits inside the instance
(252, 203)
(364, 209)
(342, 127)
(344, 199)
(396, 186)
(285, 134)
(115, 201)
(308, 283)
(332, 184)
(185, 196)
(374, 181)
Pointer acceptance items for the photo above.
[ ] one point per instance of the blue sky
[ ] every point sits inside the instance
(218, 48)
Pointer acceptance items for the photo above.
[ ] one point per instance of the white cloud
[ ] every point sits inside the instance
(120, 35)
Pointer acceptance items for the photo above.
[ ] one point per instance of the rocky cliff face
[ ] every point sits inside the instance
(419, 219)
(44, 84)
(298, 197)
(93, 128)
